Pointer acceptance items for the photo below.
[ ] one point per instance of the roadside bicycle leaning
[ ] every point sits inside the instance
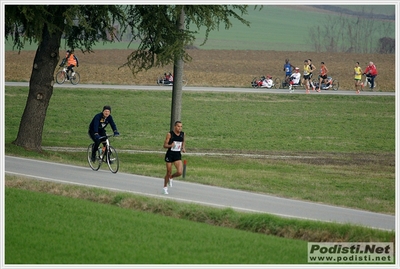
(367, 84)
(257, 82)
(107, 154)
(61, 76)
(168, 80)
(328, 84)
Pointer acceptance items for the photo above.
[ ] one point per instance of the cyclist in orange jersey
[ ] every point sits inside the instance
(71, 61)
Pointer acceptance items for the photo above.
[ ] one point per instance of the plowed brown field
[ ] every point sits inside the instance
(220, 68)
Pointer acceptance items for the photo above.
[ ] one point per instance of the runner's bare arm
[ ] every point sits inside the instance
(166, 141)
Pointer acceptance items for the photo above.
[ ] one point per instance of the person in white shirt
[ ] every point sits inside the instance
(267, 83)
(294, 79)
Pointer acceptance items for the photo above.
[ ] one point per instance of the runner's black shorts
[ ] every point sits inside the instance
(173, 156)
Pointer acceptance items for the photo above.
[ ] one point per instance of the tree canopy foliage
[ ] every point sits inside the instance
(82, 26)
(156, 27)
(161, 40)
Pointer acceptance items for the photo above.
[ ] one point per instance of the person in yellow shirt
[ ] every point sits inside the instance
(307, 74)
(357, 77)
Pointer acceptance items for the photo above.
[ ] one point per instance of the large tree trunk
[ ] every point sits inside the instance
(40, 91)
(178, 76)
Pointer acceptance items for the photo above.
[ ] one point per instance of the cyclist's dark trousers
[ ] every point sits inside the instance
(96, 141)
(69, 68)
(371, 79)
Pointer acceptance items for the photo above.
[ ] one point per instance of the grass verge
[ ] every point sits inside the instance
(332, 149)
(43, 225)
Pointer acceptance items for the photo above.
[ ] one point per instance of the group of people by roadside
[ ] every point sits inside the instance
(370, 72)
(293, 76)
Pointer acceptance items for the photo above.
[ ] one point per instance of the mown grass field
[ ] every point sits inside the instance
(45, 226)
(105, 234)
(341, 147)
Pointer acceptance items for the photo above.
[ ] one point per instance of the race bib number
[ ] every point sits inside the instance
(177, 146)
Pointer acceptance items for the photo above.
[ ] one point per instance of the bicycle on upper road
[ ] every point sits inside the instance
(286, 83)
(367, 85)
(327, 84)
(168, 80)
(105, 153)
(61, 76)
(265, 82)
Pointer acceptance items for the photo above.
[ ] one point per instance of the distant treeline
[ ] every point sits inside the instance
(353, 32)
(365, 14)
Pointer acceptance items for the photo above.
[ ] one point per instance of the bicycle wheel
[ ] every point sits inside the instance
(160, 80)
(367, 86)
(285, 83)
(60, 77)
(365, 83)
(97, 163)
(254, 83)
(75, 78)
(113, 160)
(335, 85)
(277, 83)
(315, 82)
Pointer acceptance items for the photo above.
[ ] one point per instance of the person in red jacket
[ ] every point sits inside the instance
(371, 72)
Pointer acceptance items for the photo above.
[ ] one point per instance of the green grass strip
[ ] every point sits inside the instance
(45, 226)
(340, 149)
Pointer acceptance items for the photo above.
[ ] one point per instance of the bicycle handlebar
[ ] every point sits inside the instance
(107, 136)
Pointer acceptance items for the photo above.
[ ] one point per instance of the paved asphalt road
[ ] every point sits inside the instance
(205, 89)
(194, 193)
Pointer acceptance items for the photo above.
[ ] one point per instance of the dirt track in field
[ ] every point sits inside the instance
(230, 68)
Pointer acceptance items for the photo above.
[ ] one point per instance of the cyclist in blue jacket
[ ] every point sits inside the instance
(97, 128)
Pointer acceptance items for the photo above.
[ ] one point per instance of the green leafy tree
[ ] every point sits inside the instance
(80, 26)
(165, 32)
(162, 30)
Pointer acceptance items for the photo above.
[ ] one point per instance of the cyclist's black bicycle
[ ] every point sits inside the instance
(109, 155)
